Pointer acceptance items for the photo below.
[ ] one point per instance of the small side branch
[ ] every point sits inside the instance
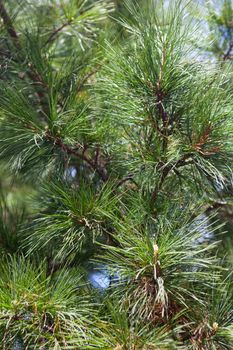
(32, 74)
(88, 75)
(56, 31)
(7, 21)
(128, 178)
(69, 150)
(160, 94)
(171, 167)
(227, 55)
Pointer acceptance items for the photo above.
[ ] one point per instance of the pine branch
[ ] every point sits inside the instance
(87, 76)
(128, 178)
(69, 150)
(227, 55)
(171, 167)
(8, 22)
(160, 94)
(32, 74)
(56, 31)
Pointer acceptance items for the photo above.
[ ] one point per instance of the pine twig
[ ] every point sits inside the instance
(226, 56)
(7, 22)
(69, 150)
(167, 169)
(56, 31)
(88, 75)
(128, 178)
(34, 76)
(160, 94)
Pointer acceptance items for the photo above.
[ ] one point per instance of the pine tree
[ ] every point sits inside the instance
(116, 150)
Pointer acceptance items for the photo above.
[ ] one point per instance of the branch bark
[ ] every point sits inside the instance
(167, 169)
(32, 74)
(226, 56)
(56, 31)
(7, 22)
(81, 155)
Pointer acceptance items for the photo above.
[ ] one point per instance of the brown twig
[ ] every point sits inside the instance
(7, 21)
(170, 167)
(56, 31)
(128, 178)
(69, 150)
(227, 55)
(88, 75)
(159, 96)
(32, 74)
(160, 93)
(97, 155)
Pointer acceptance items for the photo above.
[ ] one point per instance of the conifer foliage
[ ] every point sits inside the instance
(116, 149)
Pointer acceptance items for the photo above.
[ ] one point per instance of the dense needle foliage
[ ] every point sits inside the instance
(116, 150)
